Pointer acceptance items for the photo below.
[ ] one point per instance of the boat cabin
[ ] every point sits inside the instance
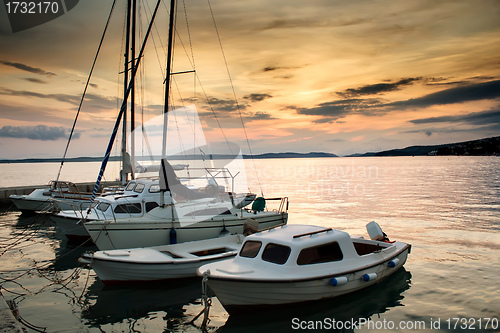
(302, 245)
(138, 196)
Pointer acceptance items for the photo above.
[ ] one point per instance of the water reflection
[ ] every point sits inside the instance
(374, 300)
(110, 305)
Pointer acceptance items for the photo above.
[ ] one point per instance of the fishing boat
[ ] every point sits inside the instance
(158, 263)
(301, 263)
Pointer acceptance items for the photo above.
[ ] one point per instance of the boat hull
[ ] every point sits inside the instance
(72, 228)
(160, 263)
(43, 200)
(238, 294)
(123, 234)
(114, 273)
(26, 204)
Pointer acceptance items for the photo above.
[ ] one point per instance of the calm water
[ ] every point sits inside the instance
(448, 208)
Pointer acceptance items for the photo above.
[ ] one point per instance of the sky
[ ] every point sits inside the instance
(334, 76)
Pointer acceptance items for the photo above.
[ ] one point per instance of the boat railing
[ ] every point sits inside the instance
(212, 173)
(283, 205)
(80, 209)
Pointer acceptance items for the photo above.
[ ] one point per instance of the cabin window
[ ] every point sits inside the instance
(154, 188)
(130, 186)
(276, 253)
(319, 254)
(130, 208)
(103, 206)
(151, 205)
(250, 249)
(139, 188)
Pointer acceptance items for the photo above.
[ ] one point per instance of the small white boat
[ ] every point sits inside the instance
(300, 263)
(160, 262)
(41, 199)
(56, 196)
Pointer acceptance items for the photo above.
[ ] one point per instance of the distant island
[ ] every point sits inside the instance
(481, 147)
(178, 157)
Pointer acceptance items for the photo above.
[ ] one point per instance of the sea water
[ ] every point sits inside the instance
(448, 208)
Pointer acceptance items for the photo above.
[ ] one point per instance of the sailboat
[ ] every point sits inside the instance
(61, 195)
(166, 210)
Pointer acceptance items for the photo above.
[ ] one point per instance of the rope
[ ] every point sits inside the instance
(206, 301)
(85, 89)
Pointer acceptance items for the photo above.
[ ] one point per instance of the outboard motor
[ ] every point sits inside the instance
(375, 232)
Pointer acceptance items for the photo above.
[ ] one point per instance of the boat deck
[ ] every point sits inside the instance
(5, 192)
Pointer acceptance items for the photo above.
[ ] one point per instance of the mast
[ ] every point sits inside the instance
(122, 109)
(168, 74)
(124, 173)
(132, 100)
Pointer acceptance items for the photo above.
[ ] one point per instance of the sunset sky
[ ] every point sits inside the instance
(319, 75)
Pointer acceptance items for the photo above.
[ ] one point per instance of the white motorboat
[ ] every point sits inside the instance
(161, 262)
(300, 263)
(58, 195)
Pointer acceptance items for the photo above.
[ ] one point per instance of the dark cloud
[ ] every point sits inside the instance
(257, 97)
(378, 88)
(39, 132)
(228, 105)
(99, 101)
(260, 116)
(24, 113)
(270, 68)
(313, 22)
(334, 110)
(475, 118)
(472, 92)
(93, 100)
(35, 80)
(281, 69)
(23, 93)
(338, 109)
(26, 68)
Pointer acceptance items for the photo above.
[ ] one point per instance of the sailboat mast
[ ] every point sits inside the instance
(123, 175)
(168, 75)
(132, 100)
(122, 109)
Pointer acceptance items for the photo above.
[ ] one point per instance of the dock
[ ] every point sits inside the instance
(5, 192)
(8, 323)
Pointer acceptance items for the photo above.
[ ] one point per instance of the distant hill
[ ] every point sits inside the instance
(292, 155)
(481, 147)
(214, 156)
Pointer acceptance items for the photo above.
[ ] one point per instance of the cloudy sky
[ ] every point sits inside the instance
(318, 75)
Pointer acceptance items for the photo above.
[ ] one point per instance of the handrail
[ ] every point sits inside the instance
(312, 233)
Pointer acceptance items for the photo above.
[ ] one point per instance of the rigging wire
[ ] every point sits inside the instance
(234, 94)
(85, 89)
